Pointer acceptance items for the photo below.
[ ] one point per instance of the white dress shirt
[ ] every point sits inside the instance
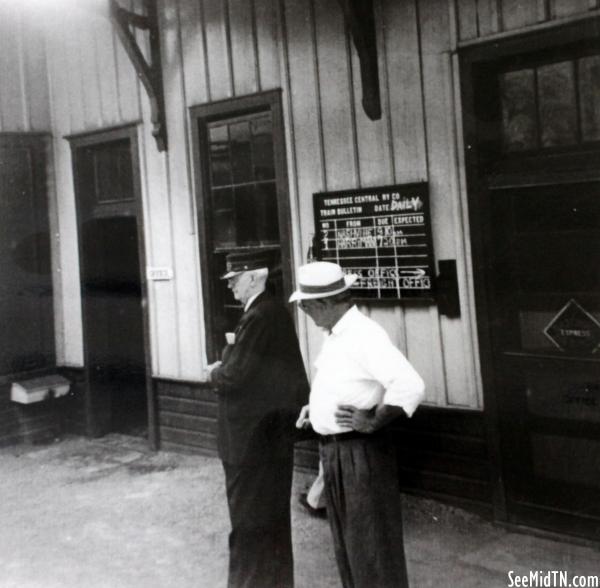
(358, 365)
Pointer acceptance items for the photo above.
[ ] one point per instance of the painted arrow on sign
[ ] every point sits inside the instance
(414, 272)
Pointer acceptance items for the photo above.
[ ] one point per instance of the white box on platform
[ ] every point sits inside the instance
(38, 389)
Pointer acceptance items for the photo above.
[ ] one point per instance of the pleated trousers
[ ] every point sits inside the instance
(364, 511)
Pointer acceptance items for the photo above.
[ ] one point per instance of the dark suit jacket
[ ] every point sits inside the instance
(261, 386)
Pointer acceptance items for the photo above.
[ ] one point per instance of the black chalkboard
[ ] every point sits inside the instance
(382, 234)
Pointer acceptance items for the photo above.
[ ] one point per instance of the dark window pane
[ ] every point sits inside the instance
(220, 164)
(224, 229)
(241, 157)
(125, 172)
(568, 207)
(112, 174)
(256, 214)
(223, 218)
(267, 223)
(222, 199)
(518, 110)
(557, 237)
(558, 116)
(105, 181)
(218, 133)
(546, 262)
(531, 326)
(589, 97)
(245, 216)
(262, 148)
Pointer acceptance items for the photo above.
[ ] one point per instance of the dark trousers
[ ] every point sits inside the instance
(260, 542)
(364, 511)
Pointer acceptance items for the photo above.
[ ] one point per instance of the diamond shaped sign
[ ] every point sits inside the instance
(574, 329)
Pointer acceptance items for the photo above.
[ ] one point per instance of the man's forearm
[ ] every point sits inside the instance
(385, 414)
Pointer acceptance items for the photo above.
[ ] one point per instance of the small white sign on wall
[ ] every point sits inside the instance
(158, 274)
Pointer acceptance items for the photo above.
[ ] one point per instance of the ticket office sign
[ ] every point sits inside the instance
(382, 234)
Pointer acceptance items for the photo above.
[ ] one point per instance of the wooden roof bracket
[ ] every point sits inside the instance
(150, 74)
(360, 20)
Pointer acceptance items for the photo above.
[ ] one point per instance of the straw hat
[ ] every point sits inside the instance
(321, 279)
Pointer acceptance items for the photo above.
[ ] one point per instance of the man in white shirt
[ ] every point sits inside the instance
(362, 384)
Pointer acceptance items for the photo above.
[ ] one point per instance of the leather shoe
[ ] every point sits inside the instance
(320, 513)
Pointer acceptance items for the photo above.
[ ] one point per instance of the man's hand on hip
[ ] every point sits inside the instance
(303, 421)
(366, 420)
(361, 420)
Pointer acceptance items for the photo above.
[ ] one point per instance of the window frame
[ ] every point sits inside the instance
(200, 116)
(480, 64)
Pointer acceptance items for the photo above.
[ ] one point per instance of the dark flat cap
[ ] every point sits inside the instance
(244, 261)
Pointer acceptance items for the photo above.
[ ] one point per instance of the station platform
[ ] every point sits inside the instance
(110, 513)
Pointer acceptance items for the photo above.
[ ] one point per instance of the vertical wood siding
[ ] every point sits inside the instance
(229, 50)
(182, 216)
(70, 74)
(92, 86)
(77, 78)
(24, 104)
(216, 49)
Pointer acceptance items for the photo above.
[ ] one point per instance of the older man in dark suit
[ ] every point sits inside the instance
(261, 383)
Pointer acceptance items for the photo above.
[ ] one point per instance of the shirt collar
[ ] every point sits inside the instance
(345, 320)
(251, 300)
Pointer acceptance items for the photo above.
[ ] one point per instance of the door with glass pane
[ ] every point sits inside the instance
(535, 190)
(242, 198)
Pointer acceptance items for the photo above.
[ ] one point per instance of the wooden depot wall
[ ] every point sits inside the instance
(213, 50)
(70, 75)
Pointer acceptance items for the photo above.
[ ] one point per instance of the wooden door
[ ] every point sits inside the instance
(119, 392)
(533, 137)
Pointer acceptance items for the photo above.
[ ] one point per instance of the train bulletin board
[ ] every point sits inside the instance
(382, 234)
